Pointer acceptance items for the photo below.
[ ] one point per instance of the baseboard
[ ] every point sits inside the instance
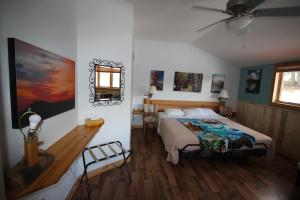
(93, 173)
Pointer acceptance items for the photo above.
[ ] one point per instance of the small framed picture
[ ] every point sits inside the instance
(217, 83)
(253, 81)
(157, 79)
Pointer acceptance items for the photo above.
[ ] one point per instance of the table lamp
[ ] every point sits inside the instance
(223, 95)
(31, 138)
(152, 90)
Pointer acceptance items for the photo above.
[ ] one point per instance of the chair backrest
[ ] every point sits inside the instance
(150, 109)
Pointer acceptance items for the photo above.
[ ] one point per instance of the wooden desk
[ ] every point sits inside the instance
(137, 112)
(65, 151)
(150, 120)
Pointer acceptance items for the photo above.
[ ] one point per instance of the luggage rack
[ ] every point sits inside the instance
(101, 147)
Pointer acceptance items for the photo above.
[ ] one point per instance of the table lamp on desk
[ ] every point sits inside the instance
(31, 138)
(223, 96)
(152, 90)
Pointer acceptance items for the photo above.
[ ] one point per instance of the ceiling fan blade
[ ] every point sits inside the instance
(209, 9)
(205, 27)
(277, 12)
(254, 3)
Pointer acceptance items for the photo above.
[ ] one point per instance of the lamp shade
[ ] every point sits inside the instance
(239, 23)
(224, 94)
(152, 89)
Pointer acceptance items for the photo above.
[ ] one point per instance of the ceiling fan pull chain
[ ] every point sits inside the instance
(244, 41)
(245, 31)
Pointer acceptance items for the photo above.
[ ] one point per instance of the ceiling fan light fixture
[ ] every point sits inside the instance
(239, 23)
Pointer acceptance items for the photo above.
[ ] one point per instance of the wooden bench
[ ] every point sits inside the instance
(65, 151)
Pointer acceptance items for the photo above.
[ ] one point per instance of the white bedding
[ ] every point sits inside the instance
(175, 136)
(163, 115)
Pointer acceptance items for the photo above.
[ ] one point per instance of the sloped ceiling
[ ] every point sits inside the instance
(268, 40)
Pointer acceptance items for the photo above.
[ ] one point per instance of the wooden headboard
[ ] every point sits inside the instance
(163, 104)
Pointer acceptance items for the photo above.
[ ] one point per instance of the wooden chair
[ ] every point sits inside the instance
(150, 117)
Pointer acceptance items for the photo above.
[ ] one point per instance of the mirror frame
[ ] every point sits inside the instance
(92, 82)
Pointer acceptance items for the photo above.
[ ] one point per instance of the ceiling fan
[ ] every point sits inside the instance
(242, 12)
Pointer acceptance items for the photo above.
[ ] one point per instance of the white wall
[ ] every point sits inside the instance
(105, 31)
(50, 25)
(181, 57)
(101, 29)
(2, 142)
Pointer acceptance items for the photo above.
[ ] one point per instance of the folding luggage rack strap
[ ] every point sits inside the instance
(113, 153)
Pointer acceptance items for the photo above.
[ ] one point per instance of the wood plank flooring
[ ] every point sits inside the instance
(211, 178)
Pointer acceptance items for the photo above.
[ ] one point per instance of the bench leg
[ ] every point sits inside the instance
(84, 175)
(87, 185)
(126, 165)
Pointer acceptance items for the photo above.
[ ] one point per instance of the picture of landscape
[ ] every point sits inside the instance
(217, 83)
(188, 82)
(40, 80)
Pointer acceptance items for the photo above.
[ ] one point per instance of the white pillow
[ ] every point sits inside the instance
(174, 112)
(206, 112)
(190, 112)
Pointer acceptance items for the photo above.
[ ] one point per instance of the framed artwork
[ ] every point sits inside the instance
(188, 82)
(157, 79)
(253, 81)
(217, 83)
(40, 80)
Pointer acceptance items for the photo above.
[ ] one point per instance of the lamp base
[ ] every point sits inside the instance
(31, 152)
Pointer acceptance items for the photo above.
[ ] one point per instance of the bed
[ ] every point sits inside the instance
(179, 140)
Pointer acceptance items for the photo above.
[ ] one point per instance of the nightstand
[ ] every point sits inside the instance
(150, 120)
(227, 112)
(137, 112)
(232, 116)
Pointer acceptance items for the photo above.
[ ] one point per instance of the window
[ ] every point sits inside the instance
(286, 90)
(107, 77)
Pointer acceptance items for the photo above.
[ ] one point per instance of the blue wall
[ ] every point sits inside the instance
(265, 86)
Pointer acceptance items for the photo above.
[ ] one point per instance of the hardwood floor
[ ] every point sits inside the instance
(211, 178)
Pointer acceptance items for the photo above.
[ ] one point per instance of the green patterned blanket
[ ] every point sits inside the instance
(217, 136)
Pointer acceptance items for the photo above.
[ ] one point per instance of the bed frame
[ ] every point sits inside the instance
(235, 153)
(163, 104)
(240, 153)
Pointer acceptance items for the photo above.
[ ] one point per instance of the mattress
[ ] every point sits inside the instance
(175, 136)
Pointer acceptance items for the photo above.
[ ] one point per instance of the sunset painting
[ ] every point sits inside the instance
(40, 80)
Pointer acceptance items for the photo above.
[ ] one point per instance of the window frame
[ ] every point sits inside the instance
(278, 73)
(106, 69)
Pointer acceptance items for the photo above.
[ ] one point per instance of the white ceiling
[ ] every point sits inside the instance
(267, 41)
